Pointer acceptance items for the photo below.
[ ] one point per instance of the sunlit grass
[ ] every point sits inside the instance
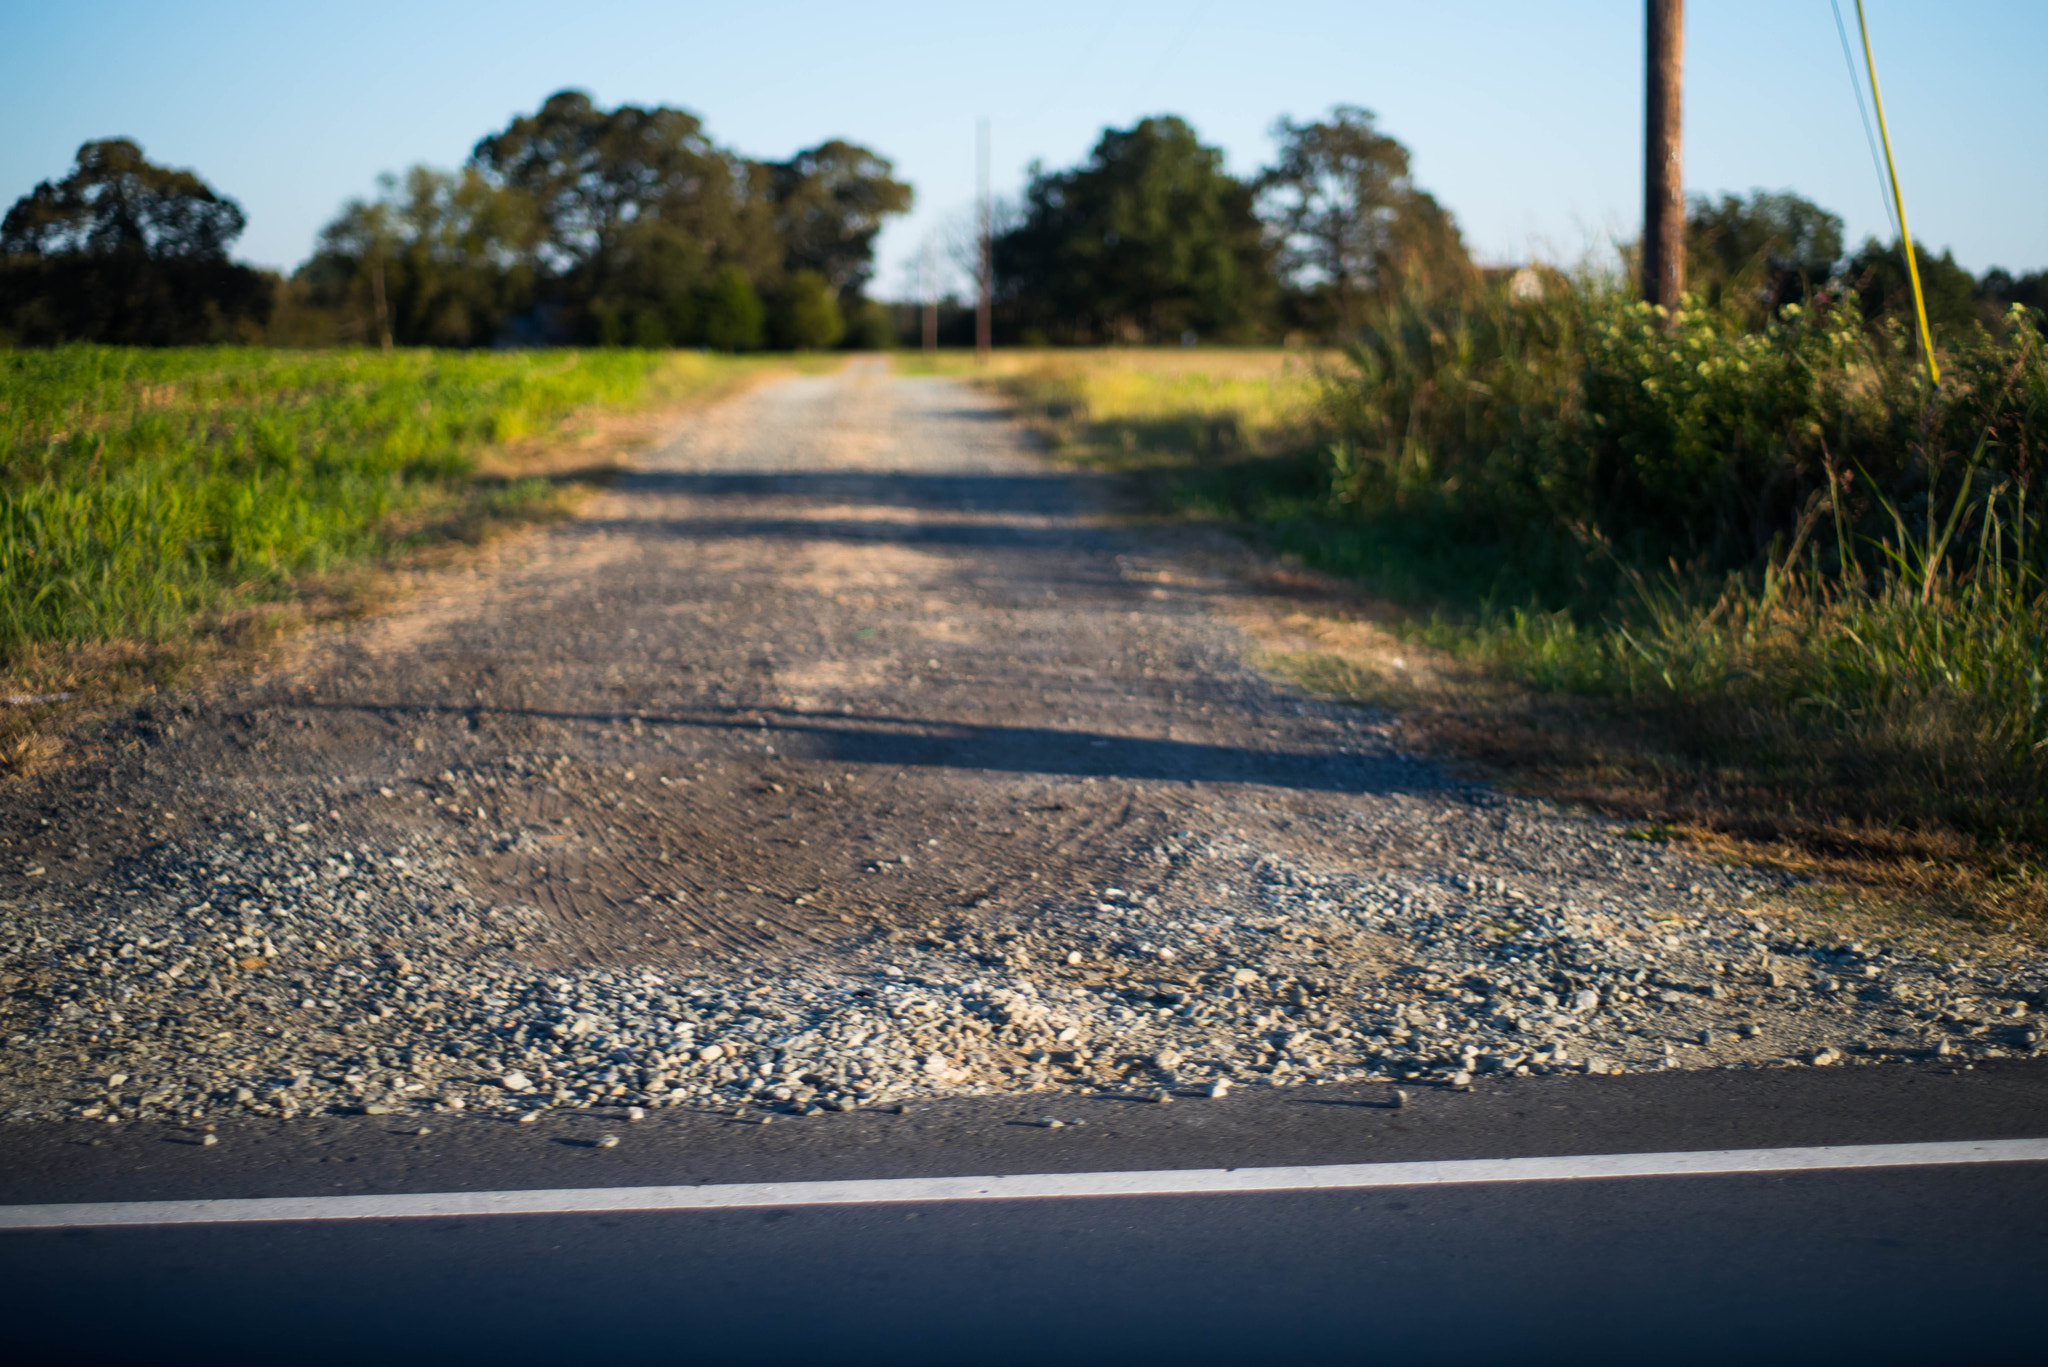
(141, 490)
(1118, 406)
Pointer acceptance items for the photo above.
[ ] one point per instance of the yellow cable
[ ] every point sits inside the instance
(1905, 234)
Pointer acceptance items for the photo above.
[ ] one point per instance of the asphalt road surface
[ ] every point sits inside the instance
(1937, 1263)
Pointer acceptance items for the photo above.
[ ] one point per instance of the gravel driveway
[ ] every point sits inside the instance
(846, 751)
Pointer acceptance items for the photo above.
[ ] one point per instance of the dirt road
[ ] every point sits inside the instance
(845, 749)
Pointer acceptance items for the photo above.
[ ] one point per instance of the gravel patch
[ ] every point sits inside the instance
(259, 970)
(840, 757)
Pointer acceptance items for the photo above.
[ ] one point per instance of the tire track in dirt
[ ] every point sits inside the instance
(841, 748)
(844, 656)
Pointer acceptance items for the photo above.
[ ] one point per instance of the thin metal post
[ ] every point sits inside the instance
(928, 289)
(984, 334)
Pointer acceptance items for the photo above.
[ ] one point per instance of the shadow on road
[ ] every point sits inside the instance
(1052, 494)
(910, 742)
(980, 535)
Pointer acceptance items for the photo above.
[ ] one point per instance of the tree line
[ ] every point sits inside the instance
(572, 224)
(1150, 239)
(631, 226)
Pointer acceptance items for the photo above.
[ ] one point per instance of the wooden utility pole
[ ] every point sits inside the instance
(984, 322)
(1663, 161)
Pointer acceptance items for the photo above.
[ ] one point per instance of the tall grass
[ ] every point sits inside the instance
(1590, 418)
(141, 489)
(1814, 567)
(1820, 586)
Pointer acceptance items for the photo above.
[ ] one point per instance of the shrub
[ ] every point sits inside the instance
(1781, 539)
(1584, 429)
(806, 314)
(733, 318)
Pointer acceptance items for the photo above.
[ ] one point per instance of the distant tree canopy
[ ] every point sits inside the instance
(1757, 254)
(1751, 255)
(1152, 239)
(1346, 222)
(2000, 289)
(122, 250)
(1877, 276)
(630, 226)
(1147, 239)
(830, 202)
(625, 226)
(431, 261)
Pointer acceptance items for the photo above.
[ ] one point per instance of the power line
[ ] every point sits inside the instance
(1172, 49)
(1094, 46)
(1869, 137)
(1891, 168)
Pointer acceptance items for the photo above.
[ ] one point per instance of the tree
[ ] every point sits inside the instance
(1347, 221)
(124, 250)
(733, 317)
(652, 295)
(830, 202)
(116, 202)
(629, 199)
(869, 326)
(1753, 256)
(1877, 276)
(807, 316)
(622, 227)
(434, 260)
(2000, 289)
(1149, 239)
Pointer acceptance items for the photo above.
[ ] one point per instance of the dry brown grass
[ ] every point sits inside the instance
(1138, 409)
(1222, 363)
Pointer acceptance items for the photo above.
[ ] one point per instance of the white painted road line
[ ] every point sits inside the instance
(1183, 1182)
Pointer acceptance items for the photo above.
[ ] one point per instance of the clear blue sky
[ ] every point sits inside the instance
(1525, 118)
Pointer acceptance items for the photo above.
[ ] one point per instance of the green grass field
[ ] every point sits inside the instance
(143, 492)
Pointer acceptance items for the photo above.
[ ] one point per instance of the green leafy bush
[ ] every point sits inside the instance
(1779, 535)
(806, 316)
(1585, 419)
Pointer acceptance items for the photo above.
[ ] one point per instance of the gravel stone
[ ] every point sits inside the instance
(400, 927)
